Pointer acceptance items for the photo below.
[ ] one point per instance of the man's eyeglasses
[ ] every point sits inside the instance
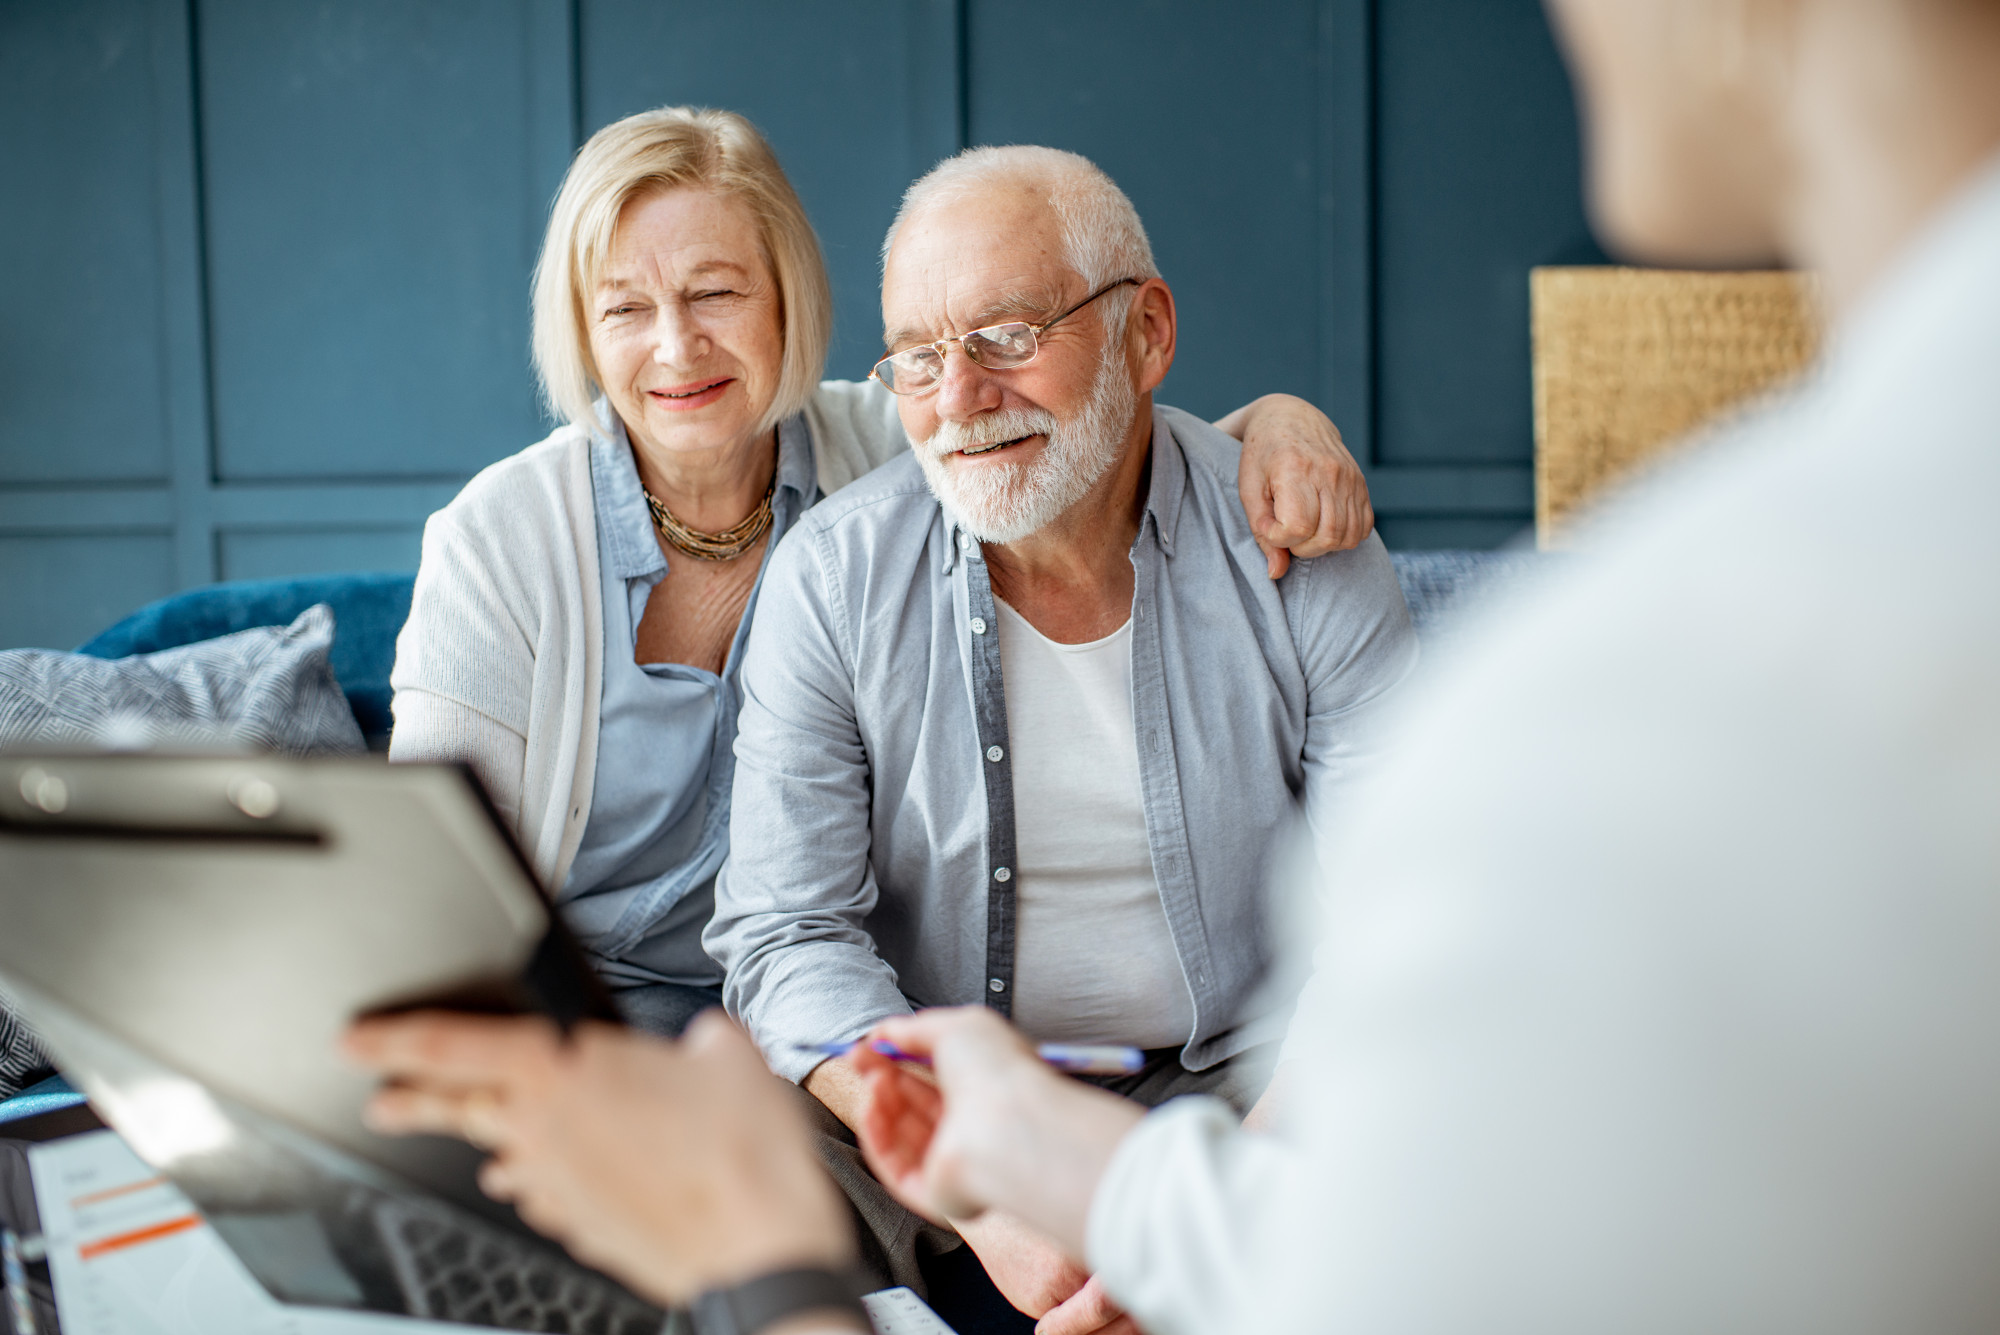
(997, 347)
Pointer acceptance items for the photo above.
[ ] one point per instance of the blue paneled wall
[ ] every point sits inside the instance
(264, 263)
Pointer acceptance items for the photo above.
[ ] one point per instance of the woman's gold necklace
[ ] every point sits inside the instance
(727, 545)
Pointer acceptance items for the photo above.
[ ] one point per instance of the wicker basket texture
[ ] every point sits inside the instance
(1629, 361)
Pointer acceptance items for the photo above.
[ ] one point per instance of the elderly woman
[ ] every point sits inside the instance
(581, 606)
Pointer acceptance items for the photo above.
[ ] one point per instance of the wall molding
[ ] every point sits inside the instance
(184, 279)
(1345, 152)
(185, 509)
(1456, 490)
(47, 511)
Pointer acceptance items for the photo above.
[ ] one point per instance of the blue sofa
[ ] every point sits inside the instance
(369, 611)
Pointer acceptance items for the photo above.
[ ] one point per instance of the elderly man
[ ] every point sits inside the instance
(1023, 715)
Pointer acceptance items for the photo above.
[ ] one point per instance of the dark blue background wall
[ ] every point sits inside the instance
(263, 263)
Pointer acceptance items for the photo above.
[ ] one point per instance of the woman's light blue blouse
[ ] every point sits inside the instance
(641, 887)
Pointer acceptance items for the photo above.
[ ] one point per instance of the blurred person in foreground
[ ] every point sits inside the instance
(1664, 988)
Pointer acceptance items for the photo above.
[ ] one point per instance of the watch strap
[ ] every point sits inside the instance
(749, 1307)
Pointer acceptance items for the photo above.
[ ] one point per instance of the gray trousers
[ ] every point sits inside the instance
(893, 1239)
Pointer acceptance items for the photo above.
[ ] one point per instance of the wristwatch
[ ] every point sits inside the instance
(768, 1299)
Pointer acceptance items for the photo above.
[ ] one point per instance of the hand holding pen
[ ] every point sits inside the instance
(1072, 1058)
(992, 1124)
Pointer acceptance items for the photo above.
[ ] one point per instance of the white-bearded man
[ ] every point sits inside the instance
(1024, 716)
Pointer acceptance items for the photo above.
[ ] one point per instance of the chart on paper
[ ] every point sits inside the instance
(130, 1256)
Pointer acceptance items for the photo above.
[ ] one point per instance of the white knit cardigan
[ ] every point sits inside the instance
(501, 663)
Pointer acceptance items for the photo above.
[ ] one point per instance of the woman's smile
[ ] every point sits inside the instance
(687, 397)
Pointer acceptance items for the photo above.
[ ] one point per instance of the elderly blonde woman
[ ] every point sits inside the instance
(581, 606)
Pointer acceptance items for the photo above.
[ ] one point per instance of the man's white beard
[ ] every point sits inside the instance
(1008, 502)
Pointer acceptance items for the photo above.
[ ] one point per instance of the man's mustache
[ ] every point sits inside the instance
(1009, 424)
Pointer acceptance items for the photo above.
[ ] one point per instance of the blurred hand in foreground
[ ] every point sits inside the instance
(1303, 492)
(676, 1167)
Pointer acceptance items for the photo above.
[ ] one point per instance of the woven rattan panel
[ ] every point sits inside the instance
(1627, 361)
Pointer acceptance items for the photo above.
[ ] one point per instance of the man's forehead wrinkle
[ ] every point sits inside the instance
(972, 261)
(1029, 301)
(948, 298)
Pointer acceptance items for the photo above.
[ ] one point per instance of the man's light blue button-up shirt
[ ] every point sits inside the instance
(871, 839)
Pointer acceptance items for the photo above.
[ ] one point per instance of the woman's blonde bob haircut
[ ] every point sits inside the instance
(660, 150)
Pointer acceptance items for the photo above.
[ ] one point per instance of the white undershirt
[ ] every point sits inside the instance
(1093, 959)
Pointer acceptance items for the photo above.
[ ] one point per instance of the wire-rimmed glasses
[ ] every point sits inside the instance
(997, 347)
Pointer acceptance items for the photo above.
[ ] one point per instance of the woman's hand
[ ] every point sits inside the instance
(1303, 492)
(676, 1167)
(998, 1129)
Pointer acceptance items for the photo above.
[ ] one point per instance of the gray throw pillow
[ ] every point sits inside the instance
(22, 1061)
(264, 689)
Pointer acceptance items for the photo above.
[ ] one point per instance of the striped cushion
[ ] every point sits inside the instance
(267, 689)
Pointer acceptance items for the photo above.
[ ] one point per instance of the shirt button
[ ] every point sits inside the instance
(996, 985)
(994, 753)
(1002, 874)
(979, 625)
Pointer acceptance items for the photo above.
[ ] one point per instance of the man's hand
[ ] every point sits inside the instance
(1033, 1274)
(1301, 489)
(835, 1083)
(677, 1167)
(1089, 1308)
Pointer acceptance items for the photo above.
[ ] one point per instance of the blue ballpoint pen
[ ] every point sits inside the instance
(1075, 1058)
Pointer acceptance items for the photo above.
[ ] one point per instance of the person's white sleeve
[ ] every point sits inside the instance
(462, 647)
(431, 728)
(855, 430)
(1179, 1217)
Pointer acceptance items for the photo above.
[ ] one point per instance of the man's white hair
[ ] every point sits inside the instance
(1103, 239)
